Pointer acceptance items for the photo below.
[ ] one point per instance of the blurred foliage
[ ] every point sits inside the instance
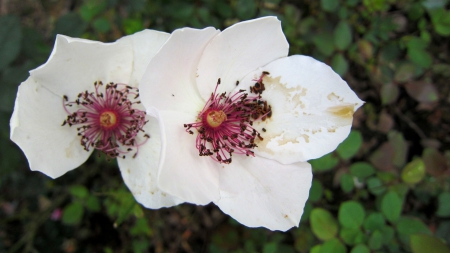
(385, 189)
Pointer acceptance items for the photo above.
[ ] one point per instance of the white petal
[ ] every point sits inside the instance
(182, 172)
(312, 109)
(145, 44)
(140, 173)
(75, 64)
(260, 192)
(238, 50)
(169, 81)
(36, 128)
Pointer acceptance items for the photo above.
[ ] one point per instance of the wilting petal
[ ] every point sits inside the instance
(261, 192)
(36, 128)
(238, 50)
(312, 109)
(75, 64)
(145, 45)
(169, 81)
(140, 173)
(182, 173)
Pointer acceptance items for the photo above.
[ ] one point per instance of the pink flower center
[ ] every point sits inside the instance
(107, 120)
(225, 125)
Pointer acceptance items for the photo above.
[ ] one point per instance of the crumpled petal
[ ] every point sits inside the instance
(312, 109)
(36, 128)
(169, 81)
(238, 50)
(75, 64)
(183, 173)
(261, 192)
(145, 44)
(140, 173)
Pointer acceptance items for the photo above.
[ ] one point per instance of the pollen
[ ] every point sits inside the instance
(215, 118)
(108, 119)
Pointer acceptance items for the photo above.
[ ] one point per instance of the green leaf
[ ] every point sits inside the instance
(407, 226)
(376, 240)
(101, 25)
(420, 57)
(329, 5)
(375, 186)
(324, 163)
(10, 39)
(414, 171)
(323, 224)
(333, 246)
(391, 206)
(351, 214)
(92, 8)
(342, 35)
(316, 191)
(79, 191)
(324, 43)
(441, 21)
(270, 247)
(347, 183)
(421, 243)
(246, 9)
(374, 221)
(339, 64)
(92, 203)
(350, 146)
(352, 236)
(71, 25)
(360, 248)
(362, 170)
(72, 213)
(389, 93)
(444, 205)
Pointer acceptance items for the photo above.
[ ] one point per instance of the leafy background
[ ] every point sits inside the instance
(385, 189)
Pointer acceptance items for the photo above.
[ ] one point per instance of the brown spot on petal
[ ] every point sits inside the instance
(344, 111)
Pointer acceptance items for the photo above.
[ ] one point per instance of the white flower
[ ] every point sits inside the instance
(305, 110)
(63, 111)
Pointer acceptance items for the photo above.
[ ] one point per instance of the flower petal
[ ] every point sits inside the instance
(169, 81)
(261, 192)
(238, 50)
(36, 128)
(145, 44)
(75, 64)
(140, 173)
(312, 109)
(182, 173)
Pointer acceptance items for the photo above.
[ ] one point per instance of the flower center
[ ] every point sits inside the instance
(107, 120)
(225, 125)
(215, 118)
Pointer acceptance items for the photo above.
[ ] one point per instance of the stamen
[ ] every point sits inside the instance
(225, 125)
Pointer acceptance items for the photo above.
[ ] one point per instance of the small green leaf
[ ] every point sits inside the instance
(421, 243)
(374, 221)
(360, 248)
(10, 39)
(70, 24)
(92, 203)
(316, 191)
(376, 240)
(342, 35)
(414, 171)
(326, 162)
(375, 186)
(79, 191)
(391, 206)
(407, 226)
(101, 25)
(351, 214)
(352, 236)
(329, 5)
(444, 205)
(72, 213)
(362, 170)
(347, 183)
(246, 9)
(323, 224)
(389, 93)
(324, 43)
(339, 64)
(350, 146)
(333, 246)
(270, 247)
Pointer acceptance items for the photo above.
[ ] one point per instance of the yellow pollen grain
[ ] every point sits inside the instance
(215, 118)
(108, 119)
